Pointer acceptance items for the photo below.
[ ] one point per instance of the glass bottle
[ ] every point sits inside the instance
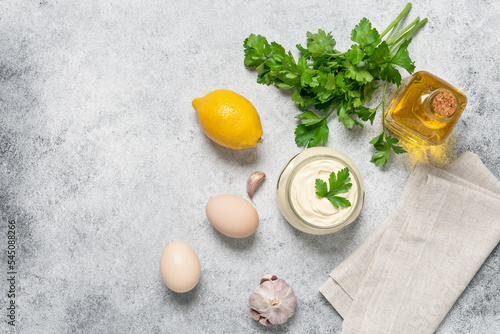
(424, 109)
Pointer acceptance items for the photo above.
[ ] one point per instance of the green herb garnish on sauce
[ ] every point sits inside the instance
(338, 184)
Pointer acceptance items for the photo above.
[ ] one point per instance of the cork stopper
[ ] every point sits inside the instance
(445, 103)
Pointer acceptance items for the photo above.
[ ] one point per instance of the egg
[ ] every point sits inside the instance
(232, 215)
(179, 267)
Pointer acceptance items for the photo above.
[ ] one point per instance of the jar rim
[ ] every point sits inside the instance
(329, 154)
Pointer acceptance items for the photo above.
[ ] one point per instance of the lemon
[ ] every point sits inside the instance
(229, 119)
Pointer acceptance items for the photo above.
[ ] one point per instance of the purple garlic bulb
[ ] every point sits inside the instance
(273, 301)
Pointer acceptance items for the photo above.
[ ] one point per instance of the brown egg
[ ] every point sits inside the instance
(179, 267)
(232, 215)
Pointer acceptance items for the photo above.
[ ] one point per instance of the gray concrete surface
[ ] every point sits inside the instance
(102, 160)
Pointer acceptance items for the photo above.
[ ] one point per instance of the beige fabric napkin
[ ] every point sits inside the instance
(407, 274)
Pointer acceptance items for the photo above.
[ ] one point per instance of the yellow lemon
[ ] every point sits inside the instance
(229, 119)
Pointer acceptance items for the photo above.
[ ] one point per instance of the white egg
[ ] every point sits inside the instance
(180, 267)
(232, 215)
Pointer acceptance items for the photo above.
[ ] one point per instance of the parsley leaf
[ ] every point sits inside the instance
(257, 49)
(402, 57)
(381, 54)
(345, 118)
(364, 35)
(384, 144)
(391, 74)
(309, 118)
(367, 114)
(312, 135)
(355, 54)
(360, 74)
(320, 43)
(338, 185)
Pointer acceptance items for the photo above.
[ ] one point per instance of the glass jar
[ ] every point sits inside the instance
(424, 109)
(292, 210)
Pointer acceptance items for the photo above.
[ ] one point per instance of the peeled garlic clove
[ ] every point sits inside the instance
(253, 182)
(273, 302)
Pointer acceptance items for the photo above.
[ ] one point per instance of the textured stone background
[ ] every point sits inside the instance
(102, 161)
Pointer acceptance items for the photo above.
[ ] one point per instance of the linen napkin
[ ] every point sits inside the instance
(407, 274)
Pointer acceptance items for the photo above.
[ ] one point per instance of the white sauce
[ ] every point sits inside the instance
(311, 207)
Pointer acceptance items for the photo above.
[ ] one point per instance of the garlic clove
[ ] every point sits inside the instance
(268, 277)
(253, 182)
(273, 301)
(255, 314)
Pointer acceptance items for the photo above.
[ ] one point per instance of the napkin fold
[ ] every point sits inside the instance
(407, 274)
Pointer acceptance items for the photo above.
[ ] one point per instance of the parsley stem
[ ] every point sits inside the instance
(403, 31)
(383, 108)
(395, 23)
(392, 32)
(338, 54)
(404, 37)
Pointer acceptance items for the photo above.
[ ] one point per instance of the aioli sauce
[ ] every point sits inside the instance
(312, 208)
(296, 191)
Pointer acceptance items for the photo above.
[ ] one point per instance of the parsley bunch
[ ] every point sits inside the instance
(329, 80)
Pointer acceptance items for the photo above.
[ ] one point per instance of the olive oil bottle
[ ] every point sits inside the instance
(424, 109)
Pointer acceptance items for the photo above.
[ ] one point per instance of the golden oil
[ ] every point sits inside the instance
(424, 109)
